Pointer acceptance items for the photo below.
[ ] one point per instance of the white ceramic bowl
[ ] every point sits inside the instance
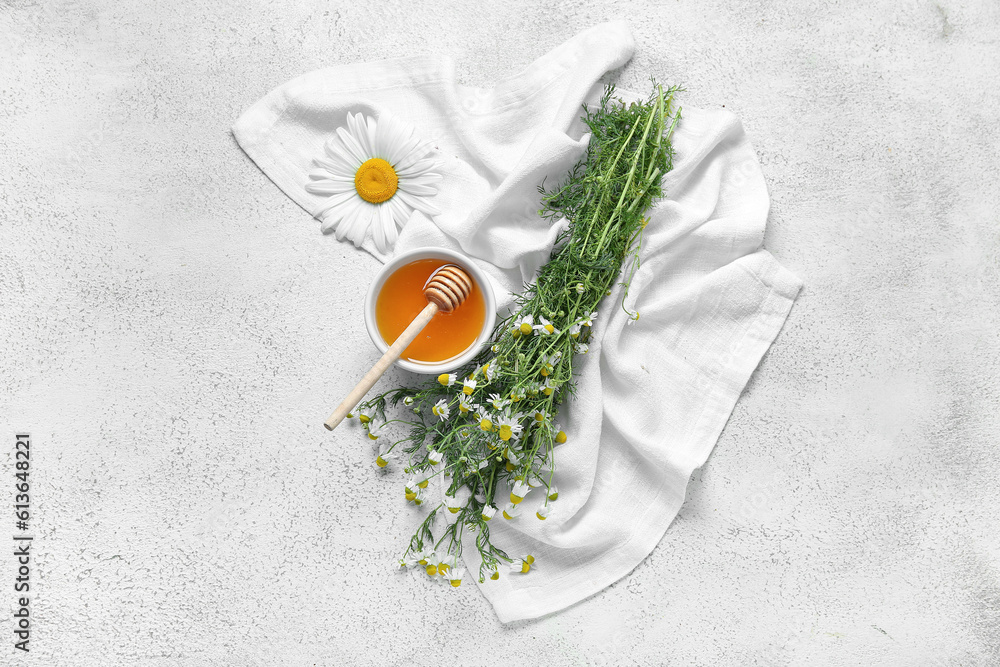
(450, 256)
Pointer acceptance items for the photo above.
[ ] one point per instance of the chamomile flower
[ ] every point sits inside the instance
(560, 437)
(545, 327)
(516, 396)
(373, 175)
(523, 564)
(455, 576)
(549, 362)
(418, 480)
(447, 379)
(509, 426)
(498, 402)
(519, 491)
(435, 564)
(488, 512)
(542, 416)
(634, 318)
(542, 512)
(468, 386)
(495, 575)
(447, 564)
(581, 348)
(553, 492)
(489, 370)
(485, 421)
(375, 430)
(574, 330)
(511, 511)
(580, 289)
(523, 326)
(464, 405)
(383, 458)
(435, 457)
(588, 320)
(414, 494)
(408, 561)
(408, 401)
(548, 388)
(452, 503)
(441, 409)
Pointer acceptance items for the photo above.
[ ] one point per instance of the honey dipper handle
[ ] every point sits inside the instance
(382, 365)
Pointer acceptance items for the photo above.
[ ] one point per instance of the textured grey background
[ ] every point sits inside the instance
(176, 330)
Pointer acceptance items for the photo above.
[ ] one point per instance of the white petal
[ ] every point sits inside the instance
(389, 224)
(334, 201)
(391, 134)
(372, 134)
(419, 168)
(418, 203)
(337, 152)
(323, 175)
(336, 167)
(328, 187)
(366, 218)
(349, 218)
(352, 146)
(416, 188)
(423, 179)
(337, 215)
(407, 154)
(358, 126)
(400, 211)
(379, 231)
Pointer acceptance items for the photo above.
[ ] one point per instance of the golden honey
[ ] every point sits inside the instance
(447, 335)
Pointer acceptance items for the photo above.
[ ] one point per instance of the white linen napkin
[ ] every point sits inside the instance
(653, 397)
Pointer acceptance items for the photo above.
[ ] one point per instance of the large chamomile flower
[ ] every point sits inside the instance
(374, 175)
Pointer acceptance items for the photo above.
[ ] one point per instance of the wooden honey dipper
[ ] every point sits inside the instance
(445, 290)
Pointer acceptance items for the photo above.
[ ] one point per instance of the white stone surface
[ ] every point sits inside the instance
(176, 330)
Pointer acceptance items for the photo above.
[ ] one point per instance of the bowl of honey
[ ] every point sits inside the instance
(396, 296)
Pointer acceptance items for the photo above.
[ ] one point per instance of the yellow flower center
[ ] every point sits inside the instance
(376, 181)
(525, 328)
(506, 432)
